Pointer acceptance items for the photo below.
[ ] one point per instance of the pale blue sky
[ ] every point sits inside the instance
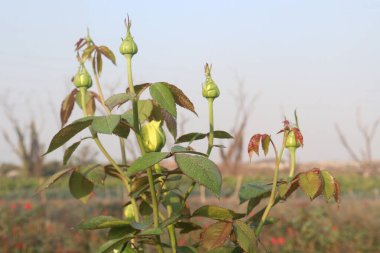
(321, 57)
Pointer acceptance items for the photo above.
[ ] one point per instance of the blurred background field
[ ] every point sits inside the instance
(45, 222)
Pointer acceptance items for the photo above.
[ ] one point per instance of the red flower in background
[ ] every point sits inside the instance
(334, 228)
(277, 241)
(281, 240)
(27, 206)
(273, 240)
(19, 245)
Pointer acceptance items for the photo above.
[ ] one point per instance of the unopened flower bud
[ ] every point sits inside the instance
(128, 46)
(209, 89)
(153, 136)
(82, 78)
(291, 140)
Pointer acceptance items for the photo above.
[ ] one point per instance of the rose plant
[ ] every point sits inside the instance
(157, 206)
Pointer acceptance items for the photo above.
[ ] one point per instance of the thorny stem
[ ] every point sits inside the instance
(121, 143)
(272, 197)
(136, 126)
(123, 177)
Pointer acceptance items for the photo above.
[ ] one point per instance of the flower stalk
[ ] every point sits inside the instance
(272, 198)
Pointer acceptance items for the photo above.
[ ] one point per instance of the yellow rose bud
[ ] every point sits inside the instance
(129, 213)
(128, 46)
(82, 78)
(209, 89)
(153, 136)
(291, 141)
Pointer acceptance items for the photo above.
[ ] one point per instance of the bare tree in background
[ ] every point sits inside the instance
(27, 145)
(232, 156)
(364, 156)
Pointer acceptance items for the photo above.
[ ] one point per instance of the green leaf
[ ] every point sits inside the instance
(183, 150)
(171, 123)
(216, 235)
(328, 184)
(99, 63)
(87, 53)
(118, 100)
(122, 130)
(151, 231)
(162, 94)
(53, 179)
(66, 133)
(201, 170)
(252, 203)
(190, 137)
(265, 141)
(222, 135)
(80, 187)
(140, 88)
(107, 53)
(89, 101)
(146, 161)
(100, 222)
(95, 173)
(217, 213)
(227, 250)
(180, 98)
(245, 236)
(186, 226)
(105, 124)
(171, 220)
(120, 232)
(310, 183)
(145, 108)
(254, 190)
(186, 249)
(69, 151)
(112, 245)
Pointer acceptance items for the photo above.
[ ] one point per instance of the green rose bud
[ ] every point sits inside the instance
(153, 136)
(209, 89)
(82, 78)
(128, 46)
(291, 140)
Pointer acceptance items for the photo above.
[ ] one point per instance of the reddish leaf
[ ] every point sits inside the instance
(337, 191)
(265, 141)
(298, 135)
(67, 106)
(253, 145)
(180, 98)
(99, 62)
(286, 123)
(216, 234)
(80, 43)
(90, 106)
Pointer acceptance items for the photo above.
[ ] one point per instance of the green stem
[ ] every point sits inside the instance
(292, 151)
(136, 126)
(272, 197)
(211, 120)
(123, 177)
(210, 142)
(121, 143)
(169, 208)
